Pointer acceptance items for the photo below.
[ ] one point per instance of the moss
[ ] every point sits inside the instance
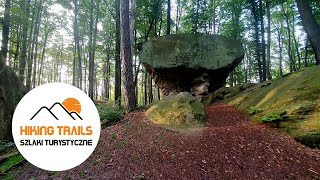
(180, 111)
(10, 162)
(310, 139)
(297, 94)
(189, 50)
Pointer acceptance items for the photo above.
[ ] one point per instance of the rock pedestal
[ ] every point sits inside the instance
(195, 63)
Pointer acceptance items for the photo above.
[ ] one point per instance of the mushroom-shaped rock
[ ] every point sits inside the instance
(196, 63)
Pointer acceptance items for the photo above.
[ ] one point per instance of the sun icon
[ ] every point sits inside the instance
(72, 105)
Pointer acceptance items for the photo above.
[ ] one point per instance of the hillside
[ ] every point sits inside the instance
(291, 103)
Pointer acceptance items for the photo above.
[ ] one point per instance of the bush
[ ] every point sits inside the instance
(110, 112)
(254, 110)
(271, 117)
(275, 118)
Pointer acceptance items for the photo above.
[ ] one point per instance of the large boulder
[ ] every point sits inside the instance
(11, 91)
(180, 111)
(196, 63)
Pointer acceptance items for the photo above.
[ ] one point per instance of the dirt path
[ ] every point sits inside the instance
(230, 147)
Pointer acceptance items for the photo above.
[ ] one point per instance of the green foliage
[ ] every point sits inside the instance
(275, 117)
(110, 112)
(254, 110)
(310, 139)
(10, 162)
(271, 117)
(9, 176)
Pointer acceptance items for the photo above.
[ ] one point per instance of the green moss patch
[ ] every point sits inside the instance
(180, 111)
(297, 94)
(7, 164)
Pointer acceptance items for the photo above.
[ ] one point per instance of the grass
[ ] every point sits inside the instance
(296, 94)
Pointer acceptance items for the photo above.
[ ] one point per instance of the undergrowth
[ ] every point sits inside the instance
(110, 112)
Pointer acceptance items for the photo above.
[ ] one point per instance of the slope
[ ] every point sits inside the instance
(291, 103)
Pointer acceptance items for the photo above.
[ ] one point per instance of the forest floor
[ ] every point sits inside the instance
(229, 147)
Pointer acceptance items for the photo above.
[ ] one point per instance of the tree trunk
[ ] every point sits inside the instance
(263, 43)
(31, 46)
(23, 56)
(47, 31)
(5, 31)
(126, 55)
(91, 54)
(306, 53)
(310, 26)
(256, 34)
(35, 56)
(77, 42)
(280, 44)
(150, 89)
(117, 90)
(268, 41)
(292, 65)
(168, 16)
(145, 87)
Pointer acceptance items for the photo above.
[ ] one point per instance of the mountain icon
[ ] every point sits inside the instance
(57, 111)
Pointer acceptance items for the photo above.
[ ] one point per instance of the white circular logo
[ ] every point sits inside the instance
(56, 127)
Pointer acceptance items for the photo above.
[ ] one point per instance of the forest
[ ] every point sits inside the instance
(78, 42)
(185, 89)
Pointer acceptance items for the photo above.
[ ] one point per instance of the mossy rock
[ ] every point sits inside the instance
(11, 91)
(179, 111)
(191, 51)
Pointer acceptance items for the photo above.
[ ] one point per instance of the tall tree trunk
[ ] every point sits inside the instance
(150, 89)
(31, 46)
(268, 41)
(126, 55)
(74, 74)
(5, 31)
(35, 56)
(47, 31)
(17, 51)
(263, 43)
(256, 34)
(117, 91)
(306, 53)
(145, 87)
(280, 43)
(91, 68)
(168, 16)
(178, 14)
(23, 56)
(77, 42)
(310, 26)
(291, 61)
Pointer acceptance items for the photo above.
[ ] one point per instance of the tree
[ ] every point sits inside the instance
(23, 55)
(77, 42)
(263, 43)
(117, 86)
(311, 27)
(127, 56)
(168, 16)
(256, 35)
(268, 41)
(5, 31)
